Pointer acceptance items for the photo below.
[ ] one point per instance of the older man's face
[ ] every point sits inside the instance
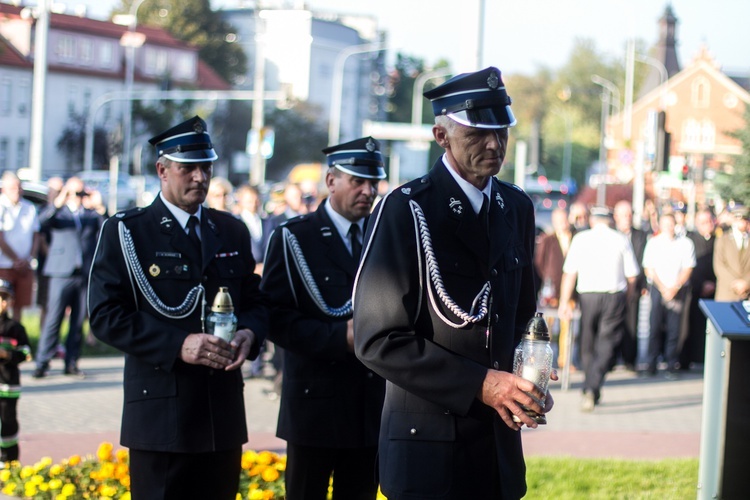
(475, 153)
(185, 184)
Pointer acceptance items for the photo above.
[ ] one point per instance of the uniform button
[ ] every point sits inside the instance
(423, 180)
(493, 273)
(516, 260)
(496, 365)
(145, 392)
(326, 279)
(307, 391)
(413, 431)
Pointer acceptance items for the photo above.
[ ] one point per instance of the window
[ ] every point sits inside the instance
(72, 98)
(106, 55)
(3, 153)
(708, 134)
(5, 96)
(701, 93)
(21, 152)
(87, 52)
(66, 48)
(155, 62)
(24, 101)
(185, 67)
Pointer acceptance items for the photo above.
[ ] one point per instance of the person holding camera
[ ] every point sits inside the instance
(74, 230)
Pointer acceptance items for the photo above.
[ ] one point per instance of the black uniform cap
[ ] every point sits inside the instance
(360, 158)
(187, 142)
(474, 99)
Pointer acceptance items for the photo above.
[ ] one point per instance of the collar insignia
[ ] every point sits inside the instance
(456, 206)
(406, 191)
(165, 220)
(499, 200)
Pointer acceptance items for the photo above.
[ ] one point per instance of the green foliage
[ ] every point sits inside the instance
(735, 185)
(194, 22)
(572, 478)
(73, 139)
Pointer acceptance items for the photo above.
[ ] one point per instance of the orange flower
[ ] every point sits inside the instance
(270, 474)
(74, 460)
(265, 457)
(121, 456)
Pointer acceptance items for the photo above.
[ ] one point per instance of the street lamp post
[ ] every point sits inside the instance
(38, 93)
(334, 124)
(416, 99)
(608, 91)
(131, 42)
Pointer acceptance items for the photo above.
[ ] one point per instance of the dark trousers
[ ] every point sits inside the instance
(156, 475)
(665, 323)
(602, 324)
(8, 429)
(63, 293)
(308, 472)
(628, 349)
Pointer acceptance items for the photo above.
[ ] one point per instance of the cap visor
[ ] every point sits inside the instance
(196, 156)
(496, 117)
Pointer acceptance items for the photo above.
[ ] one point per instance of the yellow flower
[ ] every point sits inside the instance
(125, 496)
(68, 489)
(29, 489)
(109, 491)
(248, 458)
(55, 484)
(9, 488)
(268, 495)
(26, 472)
(255, 495)
(270, 474)
(4, 475)
(121, 456)
(55, 470)
(104, 453)
(265, 457)
(74, 460)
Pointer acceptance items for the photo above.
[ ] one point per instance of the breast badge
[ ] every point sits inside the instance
(154, 270)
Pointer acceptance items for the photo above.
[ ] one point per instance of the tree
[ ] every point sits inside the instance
(73, 138)
(194, 22)
(734, 185)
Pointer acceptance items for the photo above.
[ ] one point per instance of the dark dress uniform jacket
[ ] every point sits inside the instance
(437, 440)
(328, 398)
(170, 405)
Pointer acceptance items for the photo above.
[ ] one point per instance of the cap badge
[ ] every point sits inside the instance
(154, 270)
(198, 128)
(493, 81)
(500, 201)
(370, 146)
(456, 206)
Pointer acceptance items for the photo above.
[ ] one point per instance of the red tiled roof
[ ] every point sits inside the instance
(210, 79)
(66, 22)
(9, 56)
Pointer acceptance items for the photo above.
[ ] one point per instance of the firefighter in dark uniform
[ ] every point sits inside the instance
(444, 292)
(330, 403)
(155, 274)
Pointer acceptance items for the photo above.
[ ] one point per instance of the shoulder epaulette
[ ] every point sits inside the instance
(515, 188)
(130, 213)
(411, 188)
(294, 220)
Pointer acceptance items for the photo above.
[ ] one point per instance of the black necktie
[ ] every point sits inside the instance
(192, 226)
(484, 214)
(354, 238)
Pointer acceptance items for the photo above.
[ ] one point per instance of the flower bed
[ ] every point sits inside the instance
(106, 475)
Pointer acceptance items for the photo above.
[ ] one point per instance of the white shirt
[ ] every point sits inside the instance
(18, 223)
(182, 216)
(668, 257)
(343, 224)
(472, 193)
(602, 258)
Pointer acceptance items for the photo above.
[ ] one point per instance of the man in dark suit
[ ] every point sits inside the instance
(443, 295)
(627, 350)
(154, 272)
(73, 229)
(330, 403)
(703, 286)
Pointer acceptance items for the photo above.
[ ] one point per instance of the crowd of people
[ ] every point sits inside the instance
(595, 261)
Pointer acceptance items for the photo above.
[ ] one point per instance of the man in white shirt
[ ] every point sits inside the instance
(601, 259)
(668, 261)
(19, 241)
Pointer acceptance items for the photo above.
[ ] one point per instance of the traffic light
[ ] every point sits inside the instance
(663, 140)
(685, 172)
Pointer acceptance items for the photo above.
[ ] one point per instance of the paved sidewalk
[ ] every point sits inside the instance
(638, 418)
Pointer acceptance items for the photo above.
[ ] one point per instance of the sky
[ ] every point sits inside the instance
(520, 36)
